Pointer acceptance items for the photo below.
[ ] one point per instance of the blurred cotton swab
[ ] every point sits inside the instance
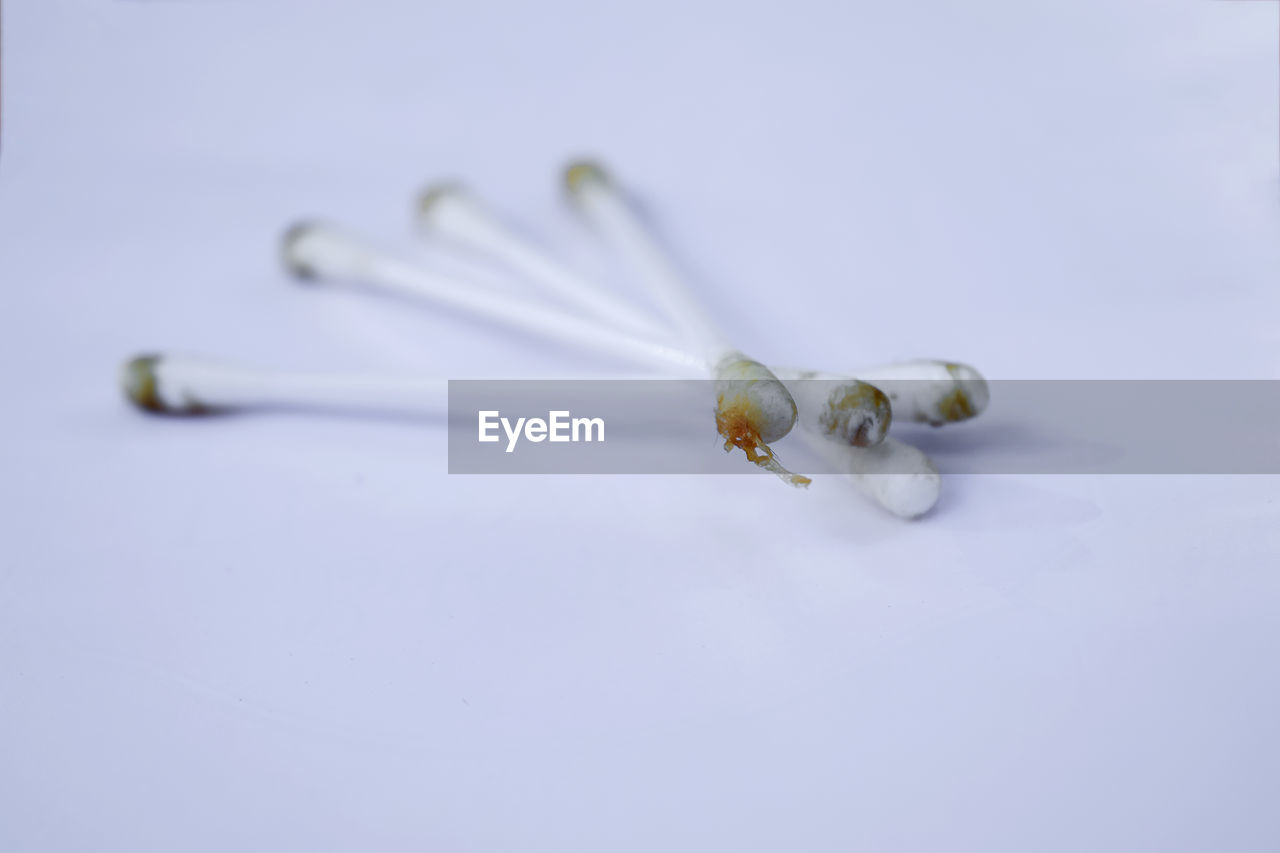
(319, 251)
(186, 385)
(895, 475)
(449, 212)
(753, 408)
(603, 204)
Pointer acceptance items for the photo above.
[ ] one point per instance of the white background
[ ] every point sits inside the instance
(272, 632)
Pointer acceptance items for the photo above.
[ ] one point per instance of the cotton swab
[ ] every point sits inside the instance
(753, 407)
(319, 251)
(930, 391)
(450, 212)
(187, 385)
(924, 391)
(895, 475)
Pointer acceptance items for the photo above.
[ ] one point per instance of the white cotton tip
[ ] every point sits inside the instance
(583, 173)
(976, 392)
(293, 249)
(905, 495)
(446, 207)
(314, 250)
(930, 391)
(895, 475)
(140, 379)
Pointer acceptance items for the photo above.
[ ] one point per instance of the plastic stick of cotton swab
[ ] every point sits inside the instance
(187, 385)
(753, 408)
(318, 251)
(450, 212)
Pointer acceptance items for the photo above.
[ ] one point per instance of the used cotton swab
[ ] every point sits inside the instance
(319, 251)
(186, 385)
(753, 407)
(930, 391)
(897, 476)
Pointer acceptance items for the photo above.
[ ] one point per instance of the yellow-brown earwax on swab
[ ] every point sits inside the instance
(753, 409)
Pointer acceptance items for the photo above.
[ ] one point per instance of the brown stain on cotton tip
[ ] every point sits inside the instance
(433, 195)
(142, 389)
(139, 383)
(736, 420)
(293, 235)
(860, 412)
(955, 406)
(581, 172)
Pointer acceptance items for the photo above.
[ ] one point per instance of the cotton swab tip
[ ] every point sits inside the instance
(748, 392)
(754, 408)
(895, 475)
(908, 495)
(294, 248)
(431, 199)
(140, 381)
(970, 396)
(582, 173)
(315, 251)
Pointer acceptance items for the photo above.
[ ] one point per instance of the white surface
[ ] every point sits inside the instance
(267, 633)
